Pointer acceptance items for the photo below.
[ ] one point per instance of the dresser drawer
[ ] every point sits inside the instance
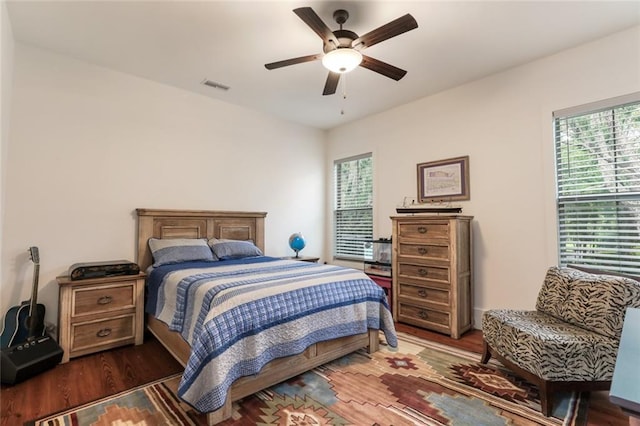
(427, 251)
(431, 230)
(103, 298)
(424, 294)
(95, 334)
(427, 272)
(423, 317)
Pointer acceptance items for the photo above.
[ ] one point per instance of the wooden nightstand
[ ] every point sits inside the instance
(100, 313)
(303, 258)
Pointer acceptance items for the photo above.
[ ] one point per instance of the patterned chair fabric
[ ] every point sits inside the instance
(574, 333)
(548, 347)
(591, 301)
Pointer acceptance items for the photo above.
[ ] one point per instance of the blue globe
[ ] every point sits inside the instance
(297, 242)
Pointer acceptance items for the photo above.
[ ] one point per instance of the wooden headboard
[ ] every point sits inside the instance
(196, 224)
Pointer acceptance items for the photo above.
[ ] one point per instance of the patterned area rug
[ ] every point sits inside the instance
(420, 384)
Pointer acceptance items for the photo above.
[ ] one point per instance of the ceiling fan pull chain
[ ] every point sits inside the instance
(344, 86)
(344, 92)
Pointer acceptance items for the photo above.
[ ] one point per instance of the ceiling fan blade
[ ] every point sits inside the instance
(401, 25)
(292, 61)
(312, 19)
(383, 68)
(332, 83)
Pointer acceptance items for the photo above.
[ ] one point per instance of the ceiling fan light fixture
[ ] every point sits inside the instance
(341, 60)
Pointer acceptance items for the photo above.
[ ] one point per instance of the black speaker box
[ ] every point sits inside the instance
(109, 268)
(27, 359)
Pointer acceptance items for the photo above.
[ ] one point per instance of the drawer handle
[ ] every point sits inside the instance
(105, 300)
(423, 315)
(104, 332)
(422, 251)
(422, 272)
(422, 293)
(422, 230)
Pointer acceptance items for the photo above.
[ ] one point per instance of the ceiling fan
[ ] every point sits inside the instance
(342, 47)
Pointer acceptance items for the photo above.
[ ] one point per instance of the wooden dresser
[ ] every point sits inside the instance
(100, 313)
(432, 272)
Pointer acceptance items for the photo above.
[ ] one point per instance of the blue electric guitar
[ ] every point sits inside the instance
(26, 321)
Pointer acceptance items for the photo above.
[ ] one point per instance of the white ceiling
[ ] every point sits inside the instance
(180, 43)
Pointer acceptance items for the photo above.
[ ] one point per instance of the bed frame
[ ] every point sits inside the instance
(238, 226)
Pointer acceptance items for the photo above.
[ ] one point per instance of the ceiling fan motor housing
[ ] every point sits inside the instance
(345, 37)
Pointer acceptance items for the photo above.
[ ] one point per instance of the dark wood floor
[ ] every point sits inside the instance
(99, 375)
(85, 379)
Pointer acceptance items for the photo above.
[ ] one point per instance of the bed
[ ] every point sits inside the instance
(217, 400)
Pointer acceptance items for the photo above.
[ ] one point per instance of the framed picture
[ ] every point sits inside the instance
(444, 180)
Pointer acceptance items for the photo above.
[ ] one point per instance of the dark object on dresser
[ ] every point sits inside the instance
(415, 209)
(109, 268)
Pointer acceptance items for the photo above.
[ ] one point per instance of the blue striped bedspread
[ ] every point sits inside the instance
(238, 315)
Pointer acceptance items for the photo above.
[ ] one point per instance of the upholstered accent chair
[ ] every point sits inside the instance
(570, 342)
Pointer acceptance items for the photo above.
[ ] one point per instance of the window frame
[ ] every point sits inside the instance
(596, 225)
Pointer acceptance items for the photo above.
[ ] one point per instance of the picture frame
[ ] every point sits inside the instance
(444, 180)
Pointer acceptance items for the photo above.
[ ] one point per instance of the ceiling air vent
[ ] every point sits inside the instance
(215, 85)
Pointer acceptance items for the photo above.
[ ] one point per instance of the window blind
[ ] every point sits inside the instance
(353, 214)
(598, 185)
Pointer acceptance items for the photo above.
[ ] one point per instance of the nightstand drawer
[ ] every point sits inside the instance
(431, 230)
(95, 334)
(427, 251)
(103, 298)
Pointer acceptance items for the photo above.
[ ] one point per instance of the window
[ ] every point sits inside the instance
(353, 214)
(598, 184)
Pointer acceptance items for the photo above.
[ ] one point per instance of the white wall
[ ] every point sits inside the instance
(504, 124)
(88, 146)
(6, 76)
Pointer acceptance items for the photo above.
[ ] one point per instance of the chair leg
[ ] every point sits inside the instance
(546, 398)
(486, 353)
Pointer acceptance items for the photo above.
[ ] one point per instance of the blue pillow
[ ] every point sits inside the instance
(176, 250)
(233, 249)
